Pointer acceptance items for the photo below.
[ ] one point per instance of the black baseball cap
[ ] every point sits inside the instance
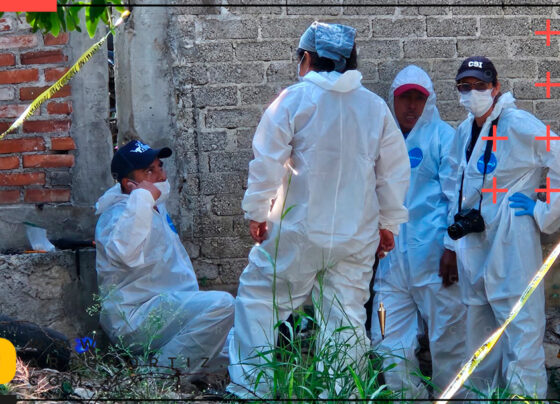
(477, 66)
(133, 156)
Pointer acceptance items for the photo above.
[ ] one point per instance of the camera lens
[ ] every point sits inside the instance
(455, 231)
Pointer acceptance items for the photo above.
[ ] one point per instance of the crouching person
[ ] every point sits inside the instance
(149, 290)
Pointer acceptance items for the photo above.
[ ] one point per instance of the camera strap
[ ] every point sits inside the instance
(486, 160)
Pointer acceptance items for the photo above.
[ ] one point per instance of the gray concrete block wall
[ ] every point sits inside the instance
(229, 63)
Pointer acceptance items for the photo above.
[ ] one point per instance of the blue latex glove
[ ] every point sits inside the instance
(524, 202)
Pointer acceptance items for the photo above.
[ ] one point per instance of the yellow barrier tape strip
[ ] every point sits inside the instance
(485, 348)
(49, 92)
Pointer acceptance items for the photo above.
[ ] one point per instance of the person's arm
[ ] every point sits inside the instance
(126, 240)
(271, 149)
(448, 166)
(547, 215)
(392, 171)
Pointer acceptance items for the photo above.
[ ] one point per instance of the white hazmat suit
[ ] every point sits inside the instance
(149, 287)
(407, 280)
(350, 175)
(495, 266)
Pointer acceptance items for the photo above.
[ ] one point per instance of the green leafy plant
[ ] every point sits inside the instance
(67, 16)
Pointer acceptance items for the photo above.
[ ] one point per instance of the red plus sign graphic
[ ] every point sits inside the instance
(548, 138)
(548, 33)
(494, 138)
(494, 190)
(547, 84)
(548, 190)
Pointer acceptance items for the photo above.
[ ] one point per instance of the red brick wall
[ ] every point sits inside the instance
(35, 160)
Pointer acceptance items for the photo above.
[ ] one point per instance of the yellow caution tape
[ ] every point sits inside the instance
(49, 92)
(485, 348)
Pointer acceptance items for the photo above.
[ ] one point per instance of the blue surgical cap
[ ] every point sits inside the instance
(332, 41)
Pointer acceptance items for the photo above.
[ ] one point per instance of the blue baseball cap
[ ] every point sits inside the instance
(478, 67)
(135, 155)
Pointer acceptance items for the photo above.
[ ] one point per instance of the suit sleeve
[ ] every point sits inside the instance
(392, 171)
(125, 233)
(448, 178)
(271, 149)
(547, 215)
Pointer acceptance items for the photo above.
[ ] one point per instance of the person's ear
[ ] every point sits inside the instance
(127, 185)
(306, 59)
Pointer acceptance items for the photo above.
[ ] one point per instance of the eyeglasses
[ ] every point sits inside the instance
(466, 87)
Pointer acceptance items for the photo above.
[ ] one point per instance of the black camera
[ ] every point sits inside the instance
(466, 221)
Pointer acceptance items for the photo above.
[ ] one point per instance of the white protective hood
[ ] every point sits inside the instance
(413, 74)
(428, 145)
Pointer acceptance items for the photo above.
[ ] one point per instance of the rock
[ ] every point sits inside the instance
(551, 355)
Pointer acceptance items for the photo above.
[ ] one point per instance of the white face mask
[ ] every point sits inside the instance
(165, 188)
(477, 102)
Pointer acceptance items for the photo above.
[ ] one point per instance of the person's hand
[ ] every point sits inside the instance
(258, 231)
(148, 186)
(386, 243)
(524, 202)
(448, 268)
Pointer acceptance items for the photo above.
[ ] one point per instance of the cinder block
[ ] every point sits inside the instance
(545, 11)
(532, 48)
(232, 118)
(284, 27)
(545, 66)
(481, 47)
(259, 95)
(206, 52)
(524, 89)
(505, 27)
(245, 28)
(236, 73)
(215, 96)
(429, 10)
(244, 138)
(281, 72)
(470, 11)
(446, 90)
(264, 50)
(206, 271)
(231, 270)
(398, 27)
(212, 141)
(379, 49)
(213, 226)
(547, 109)
(362, 7)
(230, 161)
(511, 68)
(320, 7)
(227, 205)
(388, 70)
(222, 183)
(429, 48)
(226, 247)
(451, 27)
(452, 111)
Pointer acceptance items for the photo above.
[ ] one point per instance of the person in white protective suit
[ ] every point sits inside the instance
(329, 149)
(409, 280)
(497, 261)
(150, 296)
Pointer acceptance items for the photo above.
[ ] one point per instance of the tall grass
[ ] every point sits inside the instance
(304, 366)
